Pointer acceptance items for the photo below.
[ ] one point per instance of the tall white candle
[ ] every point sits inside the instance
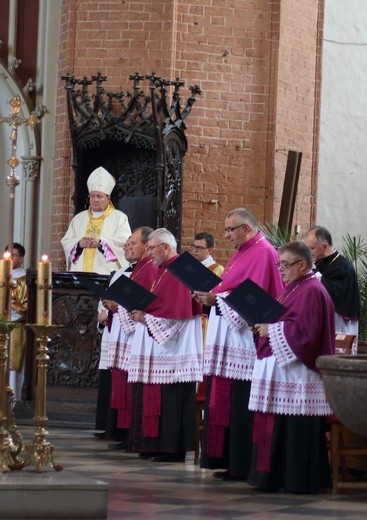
(44, 292)
(6, 267)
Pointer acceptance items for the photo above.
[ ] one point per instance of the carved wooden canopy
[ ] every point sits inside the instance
(139, 137)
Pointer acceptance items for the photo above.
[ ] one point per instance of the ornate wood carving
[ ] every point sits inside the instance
(139, 137)
(74, 349)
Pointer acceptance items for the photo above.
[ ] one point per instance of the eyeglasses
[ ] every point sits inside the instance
(231, 229)
(150, 249)
(200, 248)
(283, 266)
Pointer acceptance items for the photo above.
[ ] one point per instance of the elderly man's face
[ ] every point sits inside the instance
(137, 247)
(290, 267)
(157, 250)
(128, 250)
(318, 247)
(98, 201)
(236, 232)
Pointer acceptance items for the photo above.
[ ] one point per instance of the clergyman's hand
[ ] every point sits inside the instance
(84, 242)
(262, 329)
(102, 317)
(110, 305)
(94, 242)
(206, 298)
(138, 316)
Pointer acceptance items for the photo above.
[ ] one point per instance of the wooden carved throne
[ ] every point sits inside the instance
(139, 137)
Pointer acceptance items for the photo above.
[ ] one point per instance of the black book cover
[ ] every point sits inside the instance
(92, 286)
(193, 273)
(124, 291)
(253, 303)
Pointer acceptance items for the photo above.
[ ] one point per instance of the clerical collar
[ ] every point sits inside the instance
(328, 259)
(18, 273)
(96, 213)
(131, 267)
(208, 261)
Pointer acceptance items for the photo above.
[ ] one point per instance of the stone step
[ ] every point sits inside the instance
(26, 495)
(66, 407)
(59, 414)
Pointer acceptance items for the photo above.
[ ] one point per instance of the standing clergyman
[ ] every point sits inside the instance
(95, 239)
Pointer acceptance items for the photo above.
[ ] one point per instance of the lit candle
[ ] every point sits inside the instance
(6, 266)
(44, 292)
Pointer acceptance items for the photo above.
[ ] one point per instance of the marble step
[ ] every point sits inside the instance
(59, 414)
(28, 495)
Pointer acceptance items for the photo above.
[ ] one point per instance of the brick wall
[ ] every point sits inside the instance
(256, 62)
(227, 51)
(63, 179)
(297, 101)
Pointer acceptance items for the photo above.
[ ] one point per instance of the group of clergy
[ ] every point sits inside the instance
(265, 401)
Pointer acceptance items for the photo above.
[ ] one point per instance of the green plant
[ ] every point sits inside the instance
(5, 326)
(276, 236)
(355, 249)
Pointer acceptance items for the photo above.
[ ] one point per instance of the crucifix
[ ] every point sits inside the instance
(15, 120)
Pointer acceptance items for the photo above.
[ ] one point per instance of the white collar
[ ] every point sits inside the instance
(208, 261)
(96, 213)
(18, 273)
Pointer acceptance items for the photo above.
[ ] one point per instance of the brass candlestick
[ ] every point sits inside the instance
(39, 452)
(15, 436)
(10, 445)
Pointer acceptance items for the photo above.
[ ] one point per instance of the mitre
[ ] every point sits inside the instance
(100, 180)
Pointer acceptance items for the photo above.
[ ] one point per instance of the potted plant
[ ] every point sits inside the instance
(276, 236)
(355, 249)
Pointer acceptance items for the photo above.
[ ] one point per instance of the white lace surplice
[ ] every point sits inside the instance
(283, 385)
(229, 347)
(120, 340)
(177, 358)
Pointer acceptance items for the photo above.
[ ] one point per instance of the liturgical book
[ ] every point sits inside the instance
(192, 273)
(124, 291)
(253, 303)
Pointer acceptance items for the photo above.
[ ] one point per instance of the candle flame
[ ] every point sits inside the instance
(44, 258)
(7, 255)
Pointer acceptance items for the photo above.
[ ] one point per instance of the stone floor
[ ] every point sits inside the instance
(166, 491)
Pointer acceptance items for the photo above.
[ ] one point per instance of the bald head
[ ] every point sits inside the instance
(319, 240)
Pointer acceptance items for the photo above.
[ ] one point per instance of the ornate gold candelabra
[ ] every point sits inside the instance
(39, 452)
(10, 439)
(6, 460)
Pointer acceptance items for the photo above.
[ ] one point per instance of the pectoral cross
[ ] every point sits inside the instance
(15, 120)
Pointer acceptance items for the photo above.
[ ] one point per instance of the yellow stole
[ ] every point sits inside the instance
(94, 229)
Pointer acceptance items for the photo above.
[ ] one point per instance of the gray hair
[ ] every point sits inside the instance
(163, 236)
(244, 216)
(322, 234)
(145, 232)
(298, 250)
